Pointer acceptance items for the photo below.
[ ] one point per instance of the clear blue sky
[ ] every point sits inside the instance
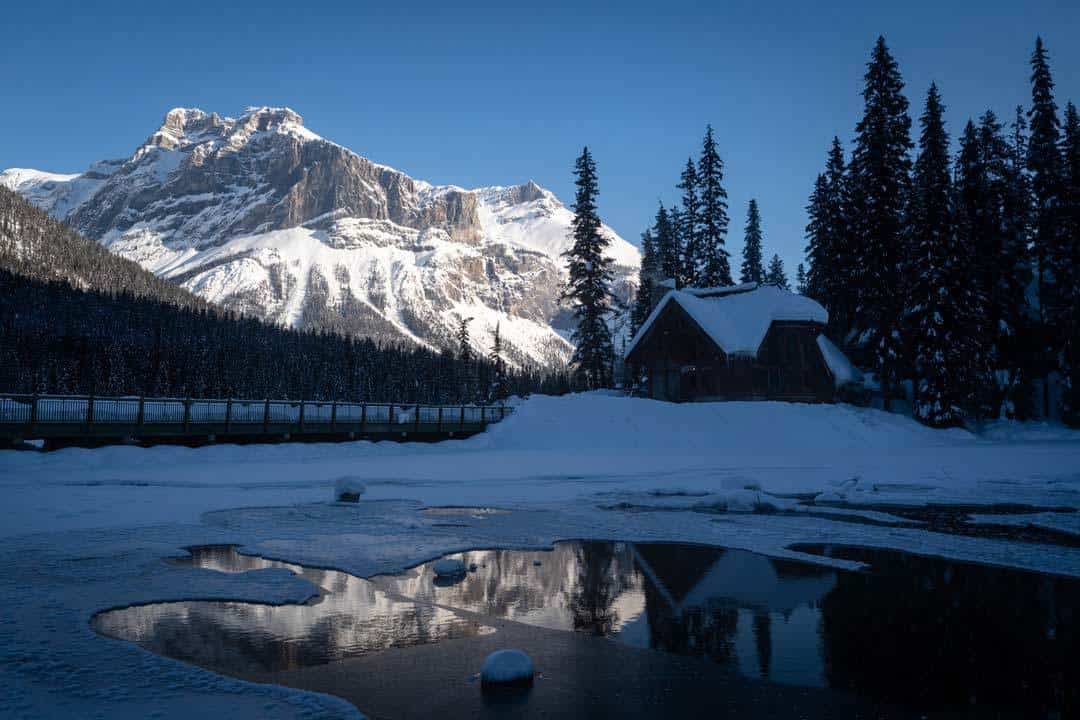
(501, 93)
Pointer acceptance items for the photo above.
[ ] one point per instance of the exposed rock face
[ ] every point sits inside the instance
(261, 215)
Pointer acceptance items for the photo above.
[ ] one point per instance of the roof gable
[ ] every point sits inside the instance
(737, 321)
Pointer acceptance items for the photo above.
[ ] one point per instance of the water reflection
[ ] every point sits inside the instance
(922, 633)
(351, 617)
(725, 605)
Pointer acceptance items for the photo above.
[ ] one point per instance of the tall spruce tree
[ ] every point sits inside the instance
(464, 344)
(831, 279)
(996, 244)
(776, 275)
(800, 279)
(1067, 267)
(589, 285)
(668, 250)
(1045, 166)
(712, 232)
(936, 284)
(817, 238)
(879, 180)
(689, 226)
(753, 269)
(648, 283)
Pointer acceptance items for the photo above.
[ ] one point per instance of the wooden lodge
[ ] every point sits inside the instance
(745, 342)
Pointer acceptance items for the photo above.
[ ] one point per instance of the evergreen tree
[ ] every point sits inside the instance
(996, 245)
(800, 279)
(776, 275)
(936, 314)
(464, 344)
(879, 179)
(688, 227)
(715, 265)
(589, 284)
(1022, 354)
(1044, 163)
(1067, 267)
(817, 239)
(752, 268)
(831, 279)
(648, 283)
(498, 365)
(666, 243)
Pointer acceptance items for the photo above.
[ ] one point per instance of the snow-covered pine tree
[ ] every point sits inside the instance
(715, 263)
(1025, 350)
(498, 366)
(1045, 166)
(818, 254)
(800, 279)
(935, 316)
(1068, 267)
(589, 286)
(678, 230)
(689, 227)
(753, 269)
(666, 243)
(648, 283)
(999, 272)
(879, 180)
(776, 275)
(463, 341)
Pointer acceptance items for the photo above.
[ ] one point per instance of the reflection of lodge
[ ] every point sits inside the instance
(694, 595)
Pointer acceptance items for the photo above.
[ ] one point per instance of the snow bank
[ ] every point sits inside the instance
(585, 422)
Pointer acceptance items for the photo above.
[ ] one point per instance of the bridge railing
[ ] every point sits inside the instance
(238, 414)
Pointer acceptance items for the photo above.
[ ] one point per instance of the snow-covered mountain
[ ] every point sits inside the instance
(261, 215)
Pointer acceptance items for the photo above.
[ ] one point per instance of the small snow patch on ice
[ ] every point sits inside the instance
(348, 488)
(507, 668)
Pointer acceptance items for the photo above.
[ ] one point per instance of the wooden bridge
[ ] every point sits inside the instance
(85, 420)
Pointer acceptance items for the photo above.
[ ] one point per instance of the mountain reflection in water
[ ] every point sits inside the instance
(918, 632)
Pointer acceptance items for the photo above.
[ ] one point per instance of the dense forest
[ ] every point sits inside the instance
(954, 273)
(75, 318)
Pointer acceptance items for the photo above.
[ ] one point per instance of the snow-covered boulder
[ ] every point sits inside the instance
(348, 488)
(507, 668)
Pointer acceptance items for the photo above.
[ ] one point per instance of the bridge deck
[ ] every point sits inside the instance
(87, 420)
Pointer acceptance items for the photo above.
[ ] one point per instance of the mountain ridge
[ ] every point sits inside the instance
(263, 216)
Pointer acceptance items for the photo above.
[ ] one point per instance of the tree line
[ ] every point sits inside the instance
(74, 318)
(959, 272)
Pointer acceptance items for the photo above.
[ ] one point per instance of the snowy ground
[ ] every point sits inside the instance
(86, 529)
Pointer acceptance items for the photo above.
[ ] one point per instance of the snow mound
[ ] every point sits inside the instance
(349, 488)
(844, 373)
(587, 422)
(448, 568)
(507, 668)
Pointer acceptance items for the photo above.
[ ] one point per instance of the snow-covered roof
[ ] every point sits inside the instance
(737, 318)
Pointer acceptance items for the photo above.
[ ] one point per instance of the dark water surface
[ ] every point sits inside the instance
(740, 633)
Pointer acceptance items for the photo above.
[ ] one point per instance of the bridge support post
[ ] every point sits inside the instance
(266, 417)
(363, 417)
(416, 419)
(228, 415)
(439, 426)
(33, 413)
(301, 415)
(333, 416)
(461, 423)
(141, 415)
(187, 414)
